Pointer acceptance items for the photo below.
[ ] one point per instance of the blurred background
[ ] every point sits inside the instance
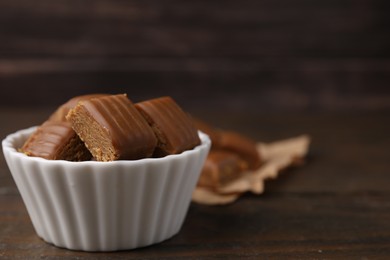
(248, 56)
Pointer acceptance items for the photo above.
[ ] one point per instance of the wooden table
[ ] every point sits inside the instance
(335, 206)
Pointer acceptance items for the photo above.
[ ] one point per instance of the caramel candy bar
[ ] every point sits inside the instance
(214, 134)
(112, 128)
(220, 168)
(62, 111)
(174, 129)
(241, 145)
(233, 142)
(56, 141)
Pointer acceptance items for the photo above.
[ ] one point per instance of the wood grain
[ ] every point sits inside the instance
(283, 55)
(335, 206)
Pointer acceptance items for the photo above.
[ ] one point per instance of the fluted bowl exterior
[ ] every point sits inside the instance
(105, 206)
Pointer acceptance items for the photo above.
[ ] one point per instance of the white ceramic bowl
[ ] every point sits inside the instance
(105, 206)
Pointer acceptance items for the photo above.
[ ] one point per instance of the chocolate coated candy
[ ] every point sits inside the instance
(220, 168)
(241, 145)
(213, 133)
(233, 142)
(112, 128)
(63, 110)
(56, 141)
(174, 129)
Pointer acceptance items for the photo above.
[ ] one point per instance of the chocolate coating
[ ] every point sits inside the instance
(233, 142)
(241, 145)
(174, 129)
(61, 112)
(56, 141)
(112, 128)
(220, 168)
(213, 133)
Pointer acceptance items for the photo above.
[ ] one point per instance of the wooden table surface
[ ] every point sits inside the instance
(335, 206)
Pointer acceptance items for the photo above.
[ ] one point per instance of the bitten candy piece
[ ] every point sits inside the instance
(56, 141)
(220, 168)
(112, 128)
(174, 129)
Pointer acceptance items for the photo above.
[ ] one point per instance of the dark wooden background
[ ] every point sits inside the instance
(247, 55)
(270, 69)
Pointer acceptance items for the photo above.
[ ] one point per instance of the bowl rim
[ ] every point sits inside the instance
(9, 147)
